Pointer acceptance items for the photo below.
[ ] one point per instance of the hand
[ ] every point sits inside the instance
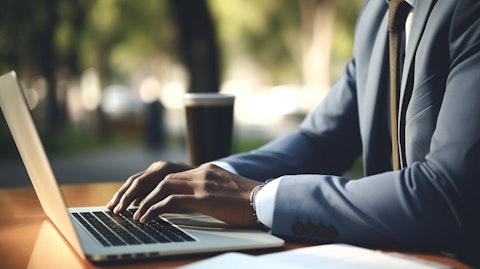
(208, 189)
(138, 186)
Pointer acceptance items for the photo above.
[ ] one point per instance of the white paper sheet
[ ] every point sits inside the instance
(338, 256)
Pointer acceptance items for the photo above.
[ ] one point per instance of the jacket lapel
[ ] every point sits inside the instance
(422, 12)
(375, 109)
(420, 18)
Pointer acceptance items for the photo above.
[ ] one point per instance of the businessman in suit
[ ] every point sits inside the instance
(431, 202)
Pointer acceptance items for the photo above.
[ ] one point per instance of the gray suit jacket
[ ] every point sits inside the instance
(434, 201)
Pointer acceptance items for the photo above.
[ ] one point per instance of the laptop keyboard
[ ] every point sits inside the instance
(120, 230)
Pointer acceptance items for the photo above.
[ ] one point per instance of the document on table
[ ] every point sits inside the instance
(338, 256)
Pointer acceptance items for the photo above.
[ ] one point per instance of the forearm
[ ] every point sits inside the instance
(292, 153)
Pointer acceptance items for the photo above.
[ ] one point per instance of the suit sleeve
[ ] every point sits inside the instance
(432, 204)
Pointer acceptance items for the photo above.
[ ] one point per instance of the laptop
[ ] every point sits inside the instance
(94, 232)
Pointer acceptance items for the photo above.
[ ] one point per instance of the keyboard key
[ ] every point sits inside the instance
(91, 230)
(102, 229)
(117, 230)
(122, 232)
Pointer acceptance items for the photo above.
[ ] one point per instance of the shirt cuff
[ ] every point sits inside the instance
(265, 202)
(225, 166)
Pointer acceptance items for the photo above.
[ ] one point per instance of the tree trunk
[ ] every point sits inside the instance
(317, 37)
(47, 65)
(198, 44)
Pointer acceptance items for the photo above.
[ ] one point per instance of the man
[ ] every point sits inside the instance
(431, 203)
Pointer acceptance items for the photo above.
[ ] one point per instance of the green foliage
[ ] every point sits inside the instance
(347, 15)
(89, 32)
(265, 30)
(269, 32)
(119, 36)
(247, 143)
(122, 34)
(127, 33)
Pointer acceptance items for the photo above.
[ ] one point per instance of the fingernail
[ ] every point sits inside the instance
(117, 209)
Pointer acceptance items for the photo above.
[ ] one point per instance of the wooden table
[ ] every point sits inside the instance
(28, 239)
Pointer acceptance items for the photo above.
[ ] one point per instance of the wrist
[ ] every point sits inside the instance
(253, 206)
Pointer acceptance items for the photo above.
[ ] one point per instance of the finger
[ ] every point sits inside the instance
(166, 188)
(118, 195)
(137, 201)
(172, 203)
(137, 191)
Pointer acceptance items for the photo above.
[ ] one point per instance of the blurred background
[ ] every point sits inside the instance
(104, 79)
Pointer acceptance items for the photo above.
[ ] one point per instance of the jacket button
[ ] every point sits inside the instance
(332, 232)
(310, 229)
(298, 228)
(321, 231)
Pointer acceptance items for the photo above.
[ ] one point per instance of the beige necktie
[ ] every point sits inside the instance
(398, 12)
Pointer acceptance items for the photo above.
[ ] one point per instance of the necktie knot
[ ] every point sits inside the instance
(398, 12)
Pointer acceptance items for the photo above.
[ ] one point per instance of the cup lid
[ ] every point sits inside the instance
(207, 99)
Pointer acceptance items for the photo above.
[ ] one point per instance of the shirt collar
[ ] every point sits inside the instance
(410, 2)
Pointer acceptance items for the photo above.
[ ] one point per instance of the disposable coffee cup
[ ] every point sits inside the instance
(209, 119)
